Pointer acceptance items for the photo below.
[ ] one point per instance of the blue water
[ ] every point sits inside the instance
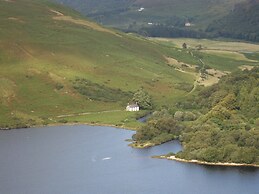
(98, 160)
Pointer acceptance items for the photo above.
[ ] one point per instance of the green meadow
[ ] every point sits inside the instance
(218, 54)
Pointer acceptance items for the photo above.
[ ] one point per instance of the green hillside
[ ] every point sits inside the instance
(241, 23)
(50, 55)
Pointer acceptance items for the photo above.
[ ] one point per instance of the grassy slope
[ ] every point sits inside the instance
(38, 53)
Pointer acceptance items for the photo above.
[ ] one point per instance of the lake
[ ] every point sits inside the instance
(98, 160)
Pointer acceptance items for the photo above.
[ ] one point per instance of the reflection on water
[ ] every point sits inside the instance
(241, 169)
(172, 146)
(145, 118)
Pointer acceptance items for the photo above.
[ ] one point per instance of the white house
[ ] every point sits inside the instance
(188, 24)
(141, 9)
(132, 107)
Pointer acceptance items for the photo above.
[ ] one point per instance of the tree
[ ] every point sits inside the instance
(143, 99)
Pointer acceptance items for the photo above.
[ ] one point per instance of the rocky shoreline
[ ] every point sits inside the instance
(207, 163)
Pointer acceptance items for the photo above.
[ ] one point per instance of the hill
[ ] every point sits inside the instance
(241, 23)
(219, 123)
(54, 62)
(128, 12)
(237, 19)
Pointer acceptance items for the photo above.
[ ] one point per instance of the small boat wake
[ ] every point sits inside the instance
(108, 158)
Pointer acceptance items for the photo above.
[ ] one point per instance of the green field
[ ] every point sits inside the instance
(45, 48)
(214, 44)
(221, 55)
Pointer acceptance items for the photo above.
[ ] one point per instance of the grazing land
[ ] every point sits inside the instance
(215, 44)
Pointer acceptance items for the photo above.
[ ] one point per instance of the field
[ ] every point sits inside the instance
(45, 49)
(221, 55)
(214, 44)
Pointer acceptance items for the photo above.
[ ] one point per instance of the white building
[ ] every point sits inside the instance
(188, 24)
(132, 107)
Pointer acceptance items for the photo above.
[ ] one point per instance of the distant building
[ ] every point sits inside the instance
(187, 24)
(132, 107)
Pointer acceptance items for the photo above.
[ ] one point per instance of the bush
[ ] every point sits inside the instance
(63, 121)
(99, 92)
(59, 86)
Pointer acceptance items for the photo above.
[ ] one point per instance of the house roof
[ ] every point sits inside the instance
(132, 106)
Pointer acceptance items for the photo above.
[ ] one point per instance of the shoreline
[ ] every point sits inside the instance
(142, 145)
(70, 124)
(207, 163)
(147, 145)
(78, 123)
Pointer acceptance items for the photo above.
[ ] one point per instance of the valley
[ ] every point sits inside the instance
(58, 67)
(236, 19)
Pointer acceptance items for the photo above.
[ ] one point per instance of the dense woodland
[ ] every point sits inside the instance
(163, 30)
(217, 124)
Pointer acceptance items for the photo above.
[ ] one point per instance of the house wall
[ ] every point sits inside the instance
(132, 109)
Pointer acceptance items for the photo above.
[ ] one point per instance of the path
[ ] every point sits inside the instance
(87, 113)
(200, 79)
(25, 51)
(196, 75)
